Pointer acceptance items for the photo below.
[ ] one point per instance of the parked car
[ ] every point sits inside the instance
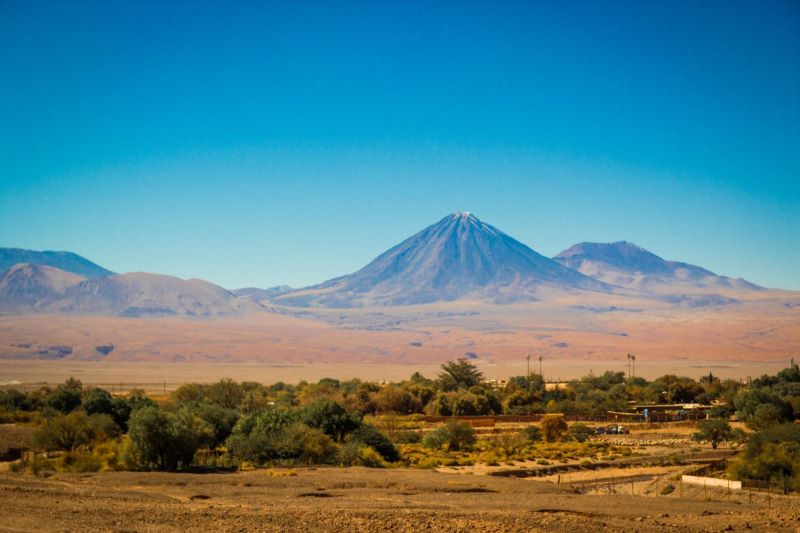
(600, 431)
(622, 430)
(615, 430)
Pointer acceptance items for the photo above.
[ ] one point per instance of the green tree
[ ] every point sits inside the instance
(165, 441)
(761, 408)
(63, 399)
(65, 432)
(772, 454)
(714, 431)
(330, 418)
(74, 430)
(219, 419)
(257, 437)
(459, 374)
(97, 401)
(14, 400)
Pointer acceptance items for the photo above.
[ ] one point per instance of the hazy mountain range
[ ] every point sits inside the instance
(458, 258)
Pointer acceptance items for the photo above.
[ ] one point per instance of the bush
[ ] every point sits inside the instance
(668, 489)
(368, 435)
(532, 434)
(580, 432)
(308, 445)
(356, 454)
(408, 437)
(456, 435)
(554, 428)
(436, 439)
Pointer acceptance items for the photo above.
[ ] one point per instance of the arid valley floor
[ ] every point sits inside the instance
(331, 499)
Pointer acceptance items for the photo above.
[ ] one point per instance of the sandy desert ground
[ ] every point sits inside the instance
(356, 499)
(737, 340)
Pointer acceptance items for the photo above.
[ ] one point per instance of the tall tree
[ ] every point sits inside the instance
(459, 374)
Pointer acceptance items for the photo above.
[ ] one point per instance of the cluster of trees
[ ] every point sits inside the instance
(323, 422)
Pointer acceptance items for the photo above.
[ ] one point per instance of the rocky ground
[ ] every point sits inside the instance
(357, 499)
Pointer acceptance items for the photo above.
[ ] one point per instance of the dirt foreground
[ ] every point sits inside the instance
(357, 499)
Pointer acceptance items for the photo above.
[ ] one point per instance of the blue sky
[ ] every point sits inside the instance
(260, 144)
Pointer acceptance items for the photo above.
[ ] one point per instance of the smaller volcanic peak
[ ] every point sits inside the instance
(459, 257)
(628, 265)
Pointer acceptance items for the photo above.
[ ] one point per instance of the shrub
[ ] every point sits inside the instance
(456, 435)
(407, 437)
(509, 443)
(532, 434)
(308, 445)
(580, 432)
(436, 439)
(554, 428)
(667, 489)
(368, 435)
(356, 454)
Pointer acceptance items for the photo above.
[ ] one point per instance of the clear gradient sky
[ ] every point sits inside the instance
(255, 144)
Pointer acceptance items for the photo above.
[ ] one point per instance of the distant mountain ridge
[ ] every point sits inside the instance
(625, 264)
(459, 257)
(27, 288)
(66, 261)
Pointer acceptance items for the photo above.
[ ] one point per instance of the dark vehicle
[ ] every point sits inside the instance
(622, 430)
(600, 431)
(613, 430)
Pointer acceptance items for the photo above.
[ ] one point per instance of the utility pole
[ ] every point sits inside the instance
(633, 365)
(540, 369)
(629, 366)
(528, 358)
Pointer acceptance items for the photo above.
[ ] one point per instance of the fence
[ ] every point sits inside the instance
(712, 482)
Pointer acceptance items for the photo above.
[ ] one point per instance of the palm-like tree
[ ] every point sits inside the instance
(459, 374)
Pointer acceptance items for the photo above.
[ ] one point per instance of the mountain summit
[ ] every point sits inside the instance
(66, 261)
(628, 265)
(459, 257)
